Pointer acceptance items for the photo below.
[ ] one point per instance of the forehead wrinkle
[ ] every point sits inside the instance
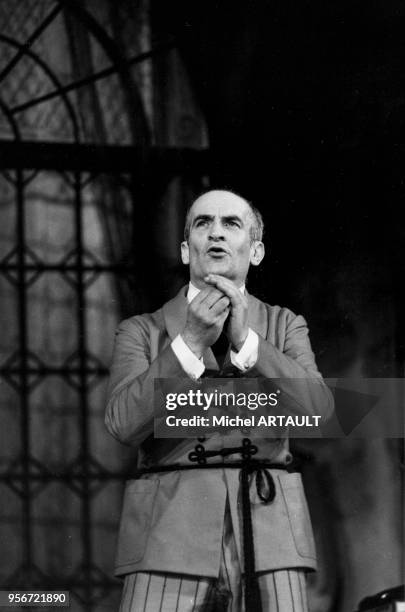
(222, 209)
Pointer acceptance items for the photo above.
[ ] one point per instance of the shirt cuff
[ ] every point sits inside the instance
(190, 363)
(247, 356)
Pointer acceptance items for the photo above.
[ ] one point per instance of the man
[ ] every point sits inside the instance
(182, 545)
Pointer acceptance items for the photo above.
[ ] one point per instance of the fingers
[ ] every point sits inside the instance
(227, 287)
(221, 306)
(216, 303)
(207, 297)
(213, 298)
(210, 294)
(209, 306)
(220, 320)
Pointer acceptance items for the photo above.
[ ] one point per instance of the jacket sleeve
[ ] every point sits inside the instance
(130, 402)
(303, 388)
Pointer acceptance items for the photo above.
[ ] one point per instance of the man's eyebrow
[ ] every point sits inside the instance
(232, 218)
(202, 218)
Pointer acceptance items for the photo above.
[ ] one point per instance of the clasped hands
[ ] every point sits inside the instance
(220, 306)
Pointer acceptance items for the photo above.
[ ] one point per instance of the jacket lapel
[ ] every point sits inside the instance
(257, 317)
(175, 313)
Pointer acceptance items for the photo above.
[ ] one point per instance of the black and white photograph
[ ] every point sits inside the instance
(202, 289)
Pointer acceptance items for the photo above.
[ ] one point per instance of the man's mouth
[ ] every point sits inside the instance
(217, 251)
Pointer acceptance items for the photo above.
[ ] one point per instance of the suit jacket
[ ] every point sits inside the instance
(173, 522)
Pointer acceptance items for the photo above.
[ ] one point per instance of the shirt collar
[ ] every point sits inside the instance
(193, 291)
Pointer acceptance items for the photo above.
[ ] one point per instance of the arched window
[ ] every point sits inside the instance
(85, 166)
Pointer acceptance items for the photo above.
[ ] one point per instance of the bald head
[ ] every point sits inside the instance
(227, 197)
(222, 236)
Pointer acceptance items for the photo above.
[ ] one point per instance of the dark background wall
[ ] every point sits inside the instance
(304, 104)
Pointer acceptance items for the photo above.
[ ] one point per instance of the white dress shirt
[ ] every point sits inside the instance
(194, 367)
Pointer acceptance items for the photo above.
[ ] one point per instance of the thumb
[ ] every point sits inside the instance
(226, 319)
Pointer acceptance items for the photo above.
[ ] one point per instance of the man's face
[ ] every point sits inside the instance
(220, 239)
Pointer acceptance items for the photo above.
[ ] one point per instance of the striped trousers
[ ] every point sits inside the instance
(281, 591)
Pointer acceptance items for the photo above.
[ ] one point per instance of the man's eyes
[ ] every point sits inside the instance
(227, 222)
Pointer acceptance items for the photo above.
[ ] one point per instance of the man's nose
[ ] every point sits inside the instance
(216, 230)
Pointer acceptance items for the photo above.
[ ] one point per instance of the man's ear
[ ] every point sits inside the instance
(256, 252)
(185, 253)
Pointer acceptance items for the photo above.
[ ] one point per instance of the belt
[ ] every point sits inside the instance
(266, 492)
